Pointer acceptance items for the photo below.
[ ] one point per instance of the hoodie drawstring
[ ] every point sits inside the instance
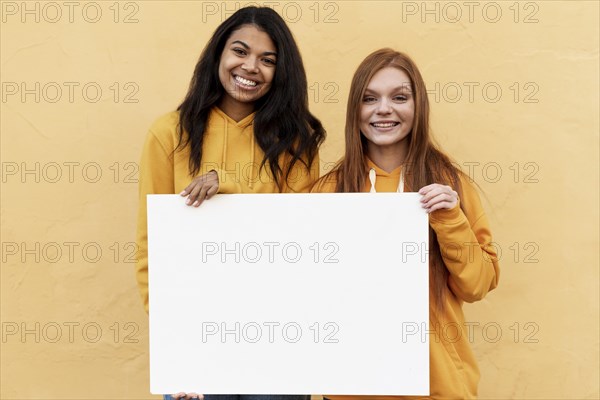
(373, 178)
(225, 139)
(252, 166)
(252, 155)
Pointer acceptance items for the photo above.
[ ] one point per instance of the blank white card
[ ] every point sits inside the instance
(289, 294)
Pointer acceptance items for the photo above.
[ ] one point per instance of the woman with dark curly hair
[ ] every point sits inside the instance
(244, 127)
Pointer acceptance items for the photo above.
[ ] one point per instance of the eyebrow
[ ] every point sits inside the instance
(405, 87)
(245, 45)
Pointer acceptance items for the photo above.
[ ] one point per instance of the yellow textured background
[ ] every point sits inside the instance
(533, 150)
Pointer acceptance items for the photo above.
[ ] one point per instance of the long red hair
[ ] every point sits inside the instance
(424, 164)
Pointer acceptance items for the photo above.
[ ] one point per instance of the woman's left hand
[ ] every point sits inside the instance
(436, 197)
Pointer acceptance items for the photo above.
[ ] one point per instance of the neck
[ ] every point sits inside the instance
(237, 111)
(388, 158)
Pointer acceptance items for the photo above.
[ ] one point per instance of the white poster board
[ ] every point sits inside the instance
(289, 294)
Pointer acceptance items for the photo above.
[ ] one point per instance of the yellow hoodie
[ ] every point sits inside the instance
(229, 148)
(473, 273)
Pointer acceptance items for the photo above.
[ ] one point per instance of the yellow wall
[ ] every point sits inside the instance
(540, 134)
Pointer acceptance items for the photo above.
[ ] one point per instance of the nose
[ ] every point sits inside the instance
(384, 106)
(250, 65)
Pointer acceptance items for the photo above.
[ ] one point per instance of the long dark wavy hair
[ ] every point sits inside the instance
(425, 163)
(283, 125)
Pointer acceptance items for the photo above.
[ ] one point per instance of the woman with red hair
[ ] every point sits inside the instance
(389, 148)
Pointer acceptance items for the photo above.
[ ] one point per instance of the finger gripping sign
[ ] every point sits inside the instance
(288, 294)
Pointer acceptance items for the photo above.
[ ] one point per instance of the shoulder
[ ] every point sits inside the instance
(165, 123)
(164, 130)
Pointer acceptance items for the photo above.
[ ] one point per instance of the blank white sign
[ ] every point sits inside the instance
(289, 294)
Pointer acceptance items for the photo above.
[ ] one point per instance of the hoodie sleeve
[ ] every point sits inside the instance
(156, 177)
(466, 244)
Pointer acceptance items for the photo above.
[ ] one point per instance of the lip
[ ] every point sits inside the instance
(243, 86)
(384, 128)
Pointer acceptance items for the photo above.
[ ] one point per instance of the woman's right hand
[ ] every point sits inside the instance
(188, 396)
(201, 188)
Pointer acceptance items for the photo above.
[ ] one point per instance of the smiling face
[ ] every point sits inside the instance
(387, 112)
(246, 69)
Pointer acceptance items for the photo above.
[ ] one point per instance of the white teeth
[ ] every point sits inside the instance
(244, 81)
(384, 124)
